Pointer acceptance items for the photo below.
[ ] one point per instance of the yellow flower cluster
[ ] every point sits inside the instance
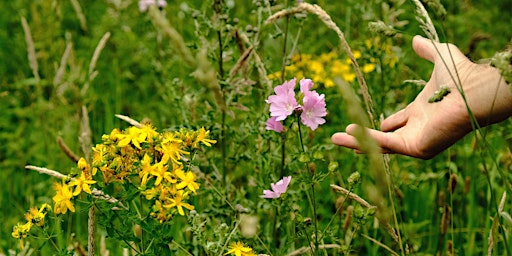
(35, 217)
(239, 249)
(70, 188)
(154, 162)
(323, 68)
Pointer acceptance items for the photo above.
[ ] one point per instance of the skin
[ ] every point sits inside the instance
(424, 129)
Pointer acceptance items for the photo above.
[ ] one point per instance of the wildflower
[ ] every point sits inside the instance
(149, 131)
(274, 125)
(135, 136)
(283, 103)
(171, 148)
(188, 180)
(35, 216)
(159, 212)
(144, 4)
(202, 136)
(20, 231)
(63, 199)
(277, 189)
(82, 184)
(178, 202)
(239, 249)
(314, 109)
(368, 67)
(161, 173)
(146, 169)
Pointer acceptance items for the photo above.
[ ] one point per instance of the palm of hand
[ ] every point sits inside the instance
(424, 129)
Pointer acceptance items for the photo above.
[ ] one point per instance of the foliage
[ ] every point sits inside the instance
(206, 68)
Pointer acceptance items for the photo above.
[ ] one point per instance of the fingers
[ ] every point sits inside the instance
(388, 142)
(345, 140)
(395, 121)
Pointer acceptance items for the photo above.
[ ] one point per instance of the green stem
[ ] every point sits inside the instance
(313, 199)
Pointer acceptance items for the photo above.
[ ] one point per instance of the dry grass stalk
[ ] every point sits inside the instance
(380, 244)
(364, 203)
(92, 73)
(307, 249)
(62, 66)
(426, 23)
(30, 49)
(91, 231)
(97, 52)
(79, 14)
(445, 220)
(176, 40)
(241, 61)
(353, 196)
(129, 120)
(348, 217)
(95, 192)
(85, 134)
(66, 150)
(262, 71)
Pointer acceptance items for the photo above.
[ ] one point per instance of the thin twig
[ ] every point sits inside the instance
(129, 120)
(67, 151)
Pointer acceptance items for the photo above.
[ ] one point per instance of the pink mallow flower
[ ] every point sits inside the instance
(283, 103)
(274, 125)
(313, 109)
(277, 189)
(144, 4)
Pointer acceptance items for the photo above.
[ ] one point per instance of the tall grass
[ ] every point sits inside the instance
(70, 67)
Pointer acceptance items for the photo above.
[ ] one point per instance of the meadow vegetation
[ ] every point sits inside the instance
(129, 130)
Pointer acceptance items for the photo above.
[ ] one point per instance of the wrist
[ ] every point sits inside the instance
(487, 94)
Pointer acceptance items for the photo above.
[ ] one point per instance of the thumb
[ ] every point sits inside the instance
(431, 50)
(425, 48)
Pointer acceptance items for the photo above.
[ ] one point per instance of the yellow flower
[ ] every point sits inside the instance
(62, 199)
(177, 201)
(369, 67)
(202, 136)
(328, 83)
(171, 150)
(149, 131)
(85, 167)
(145, 169)
(187, 180)
(135, 136)
(82, 184)
(159, 212)
(35, 216)
(357, 54)
(349, 77)
(239, 249)
(160, 172)
(20, 231)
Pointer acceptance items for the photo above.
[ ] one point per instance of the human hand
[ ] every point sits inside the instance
(425, 129)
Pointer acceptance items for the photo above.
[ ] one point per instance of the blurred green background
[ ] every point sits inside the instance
(140, 76)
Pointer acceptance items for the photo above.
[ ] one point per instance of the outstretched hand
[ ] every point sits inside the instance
(424, 129)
